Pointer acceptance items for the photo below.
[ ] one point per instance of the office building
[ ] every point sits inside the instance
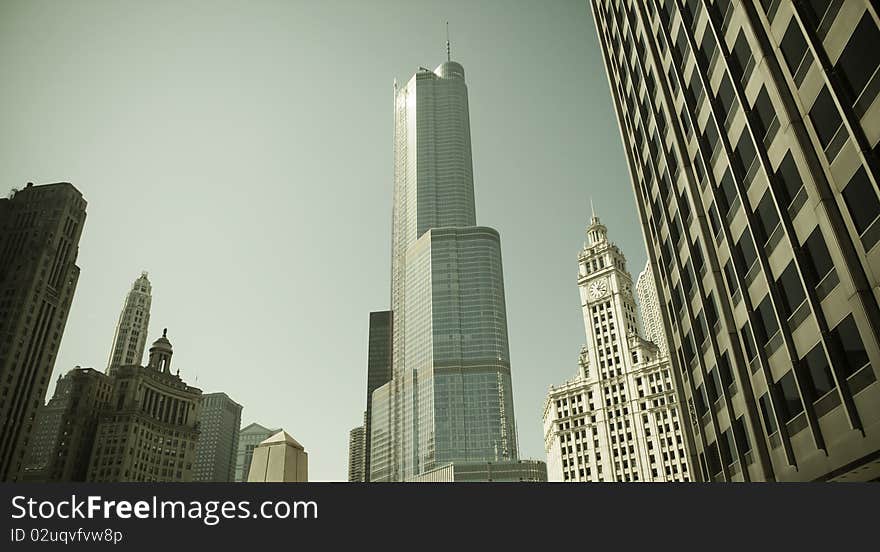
(356, 447)
(379, 371)
(64, 430)
(217, 447)
(649, 310)
(150, 430)
(248, 439)
(450, 398)
(40, 228)
(618, 420)
(131, 329)
(279, 459)
(750, 130)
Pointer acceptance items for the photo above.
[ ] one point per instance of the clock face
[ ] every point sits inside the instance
(598, 289)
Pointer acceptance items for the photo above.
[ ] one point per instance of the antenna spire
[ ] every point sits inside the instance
(448, 50)
(592, 207)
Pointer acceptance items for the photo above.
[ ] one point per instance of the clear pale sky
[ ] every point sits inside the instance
(241, 153)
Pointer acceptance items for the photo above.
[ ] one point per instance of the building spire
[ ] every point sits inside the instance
(448, 50)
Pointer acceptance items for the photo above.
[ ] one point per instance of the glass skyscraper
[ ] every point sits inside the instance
(450, 398)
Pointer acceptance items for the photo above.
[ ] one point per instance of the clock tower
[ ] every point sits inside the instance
(618, 419)
(607, 300)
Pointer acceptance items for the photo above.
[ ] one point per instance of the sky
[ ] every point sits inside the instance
(240, 152)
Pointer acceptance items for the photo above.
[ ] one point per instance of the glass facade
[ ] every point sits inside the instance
(450, 399)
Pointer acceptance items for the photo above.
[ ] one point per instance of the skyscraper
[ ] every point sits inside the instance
(248, 439)
(450, 398)
(40, 227)
(751, 135)
(649, 308)
(618, 419)
(131, 330)
(64, 431)
(217, 447)
(356, 446)
(150, 430)
(379, 371)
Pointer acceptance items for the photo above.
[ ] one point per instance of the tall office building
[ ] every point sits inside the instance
(751, 133)
(64, 430)
(249, 438)
(279, 459)
(379, 371)
(150, 430)
(131, 330)
(356, 446)
(217, 447)
(450, 398)
(618, 419)
(40, 227)
(649, 309)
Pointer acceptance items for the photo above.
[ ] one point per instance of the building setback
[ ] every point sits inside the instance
(618, 419)
(248, 439)
(217, 447)
(130, 337)
(150, 431)
(751, 134)
(513, 471)
(40, 228)
(64, 431)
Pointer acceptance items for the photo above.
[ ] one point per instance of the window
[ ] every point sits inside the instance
(826, 119)
(745, 254)
(861, 200)
(726, 97)
(713, 385)
(741, 436)
(700, 401)
(765, 113)
(791, 399)
(818, 259)
(794, 47)
(707, 47)
(724, 370)
(816, 372)
(846, 339)
(741, 60)
(744, 154)
(789, 179)
(730, 275)
(767, 413)
(768, 219)
(727, 188)
(767, 324)
(854, 65)
(791, 290)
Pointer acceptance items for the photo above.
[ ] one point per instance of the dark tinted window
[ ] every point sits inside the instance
(793, 46)
(741, 58)
(816, 372)
(726, 97)
(745, 154)
(859, 60)
(764, 111)
(748, 342)
(861, 200)
(727, 187)
(789, 178)
(767, 216)
(818, 259)
(767, 413)
(791, 400)
(732, 284)
(792, 292)
(744, 252)
(849, 343)
(741, 435)
(767, 324)
(724, 370)
(826, 119)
